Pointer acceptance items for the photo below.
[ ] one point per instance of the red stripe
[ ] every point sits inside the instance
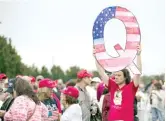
(127, 18)
(117, 47)
(113, 62)
(133, 30)
(100, 48)
(121, 9)
(131, 45)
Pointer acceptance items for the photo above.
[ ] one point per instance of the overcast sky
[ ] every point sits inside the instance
(47, 32)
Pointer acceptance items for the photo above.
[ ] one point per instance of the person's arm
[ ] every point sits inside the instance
(101, 71)
(136, 78)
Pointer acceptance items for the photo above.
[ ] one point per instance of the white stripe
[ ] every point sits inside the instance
(123, 13)
(134, 69)
(104, 55)
(128, 53)
(99, 41)
(131, 24)
(133, 37)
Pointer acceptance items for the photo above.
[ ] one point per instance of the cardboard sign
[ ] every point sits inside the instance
(133, 38)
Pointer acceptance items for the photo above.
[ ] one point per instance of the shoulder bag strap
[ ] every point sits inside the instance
(32, 113)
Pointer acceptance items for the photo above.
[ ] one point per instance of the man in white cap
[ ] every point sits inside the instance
(38, 78)
(92, 89)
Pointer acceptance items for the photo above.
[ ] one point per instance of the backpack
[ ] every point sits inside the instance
(95, 113)
(6, 105)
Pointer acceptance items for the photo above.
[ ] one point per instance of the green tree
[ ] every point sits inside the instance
(146, 79)
(95, 74)
(162, 77)
(71, 73)
(57, 73)
(34, 71)
(10, 61)
(45, 73)
(25, 70)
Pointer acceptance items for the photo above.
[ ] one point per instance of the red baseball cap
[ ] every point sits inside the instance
(32, 79)
(83, 73)
(71, 91)
(3, 76)
(47, 83)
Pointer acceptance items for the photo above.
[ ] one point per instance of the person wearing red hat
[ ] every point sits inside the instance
(83, 80)
(3, 88)
(45, 95)
(3, 82)
(2, 76)
(69, 100)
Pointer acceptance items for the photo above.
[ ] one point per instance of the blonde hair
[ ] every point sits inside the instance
(43, 93)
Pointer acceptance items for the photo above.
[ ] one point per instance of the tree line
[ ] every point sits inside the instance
(11, 64)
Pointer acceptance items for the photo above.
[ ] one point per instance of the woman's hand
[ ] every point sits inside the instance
(139, 49)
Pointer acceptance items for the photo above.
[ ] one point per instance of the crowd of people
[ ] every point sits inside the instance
(110, 97)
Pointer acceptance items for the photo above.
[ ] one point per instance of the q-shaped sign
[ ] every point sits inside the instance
(133, 38)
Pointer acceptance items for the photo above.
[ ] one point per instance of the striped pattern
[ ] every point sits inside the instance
(133, 38)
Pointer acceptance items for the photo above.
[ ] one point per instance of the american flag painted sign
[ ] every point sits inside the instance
(133, 38)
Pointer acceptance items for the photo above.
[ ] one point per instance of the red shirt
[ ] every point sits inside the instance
(122, 101)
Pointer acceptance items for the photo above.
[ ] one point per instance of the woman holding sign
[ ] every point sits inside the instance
(123, 90)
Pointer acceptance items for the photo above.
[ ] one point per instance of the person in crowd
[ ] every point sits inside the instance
(95, 82)
(142, 102)
(157, 101)
(45, 95)
(92, 89)
(83, 80)
(70, 83)
(122, 91)
(106, 104)
(3, 88)
(60, 86)
(69, 98)
(8, 102)
(100, 90)
(26, 105)
(162, 84)
(38, 78)
(33, 83)
(100, 95)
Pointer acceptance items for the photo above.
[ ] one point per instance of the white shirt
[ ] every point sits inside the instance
(158, 99)
(72, 113)
(143, 102)
(101, 103)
